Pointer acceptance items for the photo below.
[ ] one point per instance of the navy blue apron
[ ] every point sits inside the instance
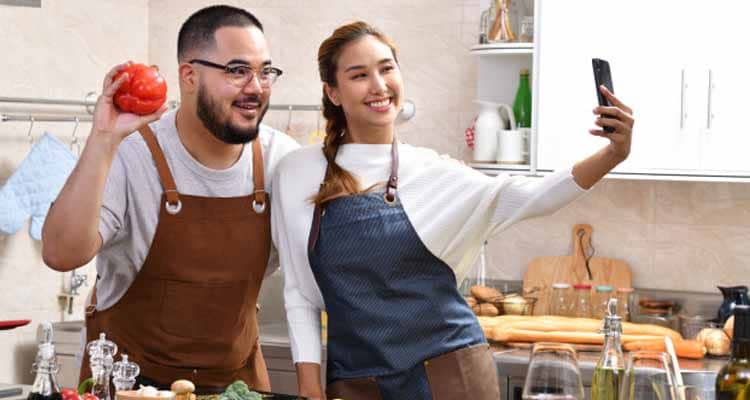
(398, 328)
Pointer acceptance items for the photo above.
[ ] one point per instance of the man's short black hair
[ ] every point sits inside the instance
(197, 33)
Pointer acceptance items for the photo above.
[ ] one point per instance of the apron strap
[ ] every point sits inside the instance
(259, 200)
(390, 195)
(167, 181)
(392, 186)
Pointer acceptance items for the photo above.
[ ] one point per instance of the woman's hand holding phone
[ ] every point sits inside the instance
(618, 117)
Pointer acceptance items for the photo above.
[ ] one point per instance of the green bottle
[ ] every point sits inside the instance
(522, 103)
(733, 381)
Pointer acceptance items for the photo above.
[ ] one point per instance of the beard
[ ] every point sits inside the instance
(210, 113)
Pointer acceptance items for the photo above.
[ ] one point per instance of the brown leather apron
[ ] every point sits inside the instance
(468, 373)
(191, 311)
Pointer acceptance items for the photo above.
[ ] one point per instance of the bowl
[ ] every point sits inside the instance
(515, 305)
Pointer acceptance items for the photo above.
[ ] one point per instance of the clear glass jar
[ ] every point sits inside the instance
(559, 300)
(526, 31)
(582, 301)
(601, 299)
(624, 302)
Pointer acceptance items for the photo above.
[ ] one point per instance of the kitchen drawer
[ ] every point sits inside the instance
(283, 382)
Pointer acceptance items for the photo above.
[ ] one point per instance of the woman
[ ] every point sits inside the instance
(384, 262)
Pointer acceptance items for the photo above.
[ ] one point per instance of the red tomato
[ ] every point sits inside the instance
(89, 396)
(143, 92)
(69, 394)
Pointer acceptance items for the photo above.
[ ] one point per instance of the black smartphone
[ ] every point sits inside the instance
(603, 76)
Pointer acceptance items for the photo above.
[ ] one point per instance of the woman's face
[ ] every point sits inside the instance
(369, 85)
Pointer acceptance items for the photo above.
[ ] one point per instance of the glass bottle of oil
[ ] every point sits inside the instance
(610, 368)
(733, 381)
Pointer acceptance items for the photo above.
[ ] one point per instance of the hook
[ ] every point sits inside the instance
(75, 143)
(289, 120)
(31, 127)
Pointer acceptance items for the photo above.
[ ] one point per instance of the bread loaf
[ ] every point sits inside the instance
(485, 294)
(521, 335)
(566, 324)
(485, 310)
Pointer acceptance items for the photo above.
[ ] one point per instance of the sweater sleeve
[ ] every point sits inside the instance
(454, 208)
(302, 297)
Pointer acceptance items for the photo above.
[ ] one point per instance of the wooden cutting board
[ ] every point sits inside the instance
(542, 272)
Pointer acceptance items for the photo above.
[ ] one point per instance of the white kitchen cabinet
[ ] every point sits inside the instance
(724, 135)
(678, 64)
(684, 85)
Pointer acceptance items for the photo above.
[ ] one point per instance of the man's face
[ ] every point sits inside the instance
(230, 111)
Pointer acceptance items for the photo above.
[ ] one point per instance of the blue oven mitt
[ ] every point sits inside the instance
(36, 183)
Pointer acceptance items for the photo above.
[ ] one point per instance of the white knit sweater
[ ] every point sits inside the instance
(452, 207)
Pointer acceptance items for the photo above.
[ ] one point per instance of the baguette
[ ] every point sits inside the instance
(566, 324)
(501, 334)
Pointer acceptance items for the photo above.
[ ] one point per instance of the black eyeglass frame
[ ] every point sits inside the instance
(227, 68)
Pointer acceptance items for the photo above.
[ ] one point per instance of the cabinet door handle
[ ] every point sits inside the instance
(683, 97)
(709, 111)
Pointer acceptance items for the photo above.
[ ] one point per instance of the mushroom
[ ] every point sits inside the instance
(183, 389)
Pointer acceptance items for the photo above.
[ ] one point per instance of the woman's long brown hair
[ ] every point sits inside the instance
(339, 182)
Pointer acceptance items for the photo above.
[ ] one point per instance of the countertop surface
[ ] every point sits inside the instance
(515, 362)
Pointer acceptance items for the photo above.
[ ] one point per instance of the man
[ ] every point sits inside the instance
(178, 214)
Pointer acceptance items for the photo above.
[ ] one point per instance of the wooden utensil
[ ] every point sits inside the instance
(580, 267)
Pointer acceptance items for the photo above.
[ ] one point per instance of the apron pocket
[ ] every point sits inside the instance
(467, 373)
(202, 310)
(354, 389)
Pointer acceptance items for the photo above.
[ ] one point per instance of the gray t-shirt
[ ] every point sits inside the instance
(132, 197)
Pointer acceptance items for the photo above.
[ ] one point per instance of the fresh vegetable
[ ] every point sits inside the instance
(729, 327)
(684, 348)
(716, 341)
(86, 386)
(69, 394)
(143, 92)
(183, 389)
(239, 390)
(89, 396)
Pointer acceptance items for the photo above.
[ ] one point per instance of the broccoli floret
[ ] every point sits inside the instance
(239, 390)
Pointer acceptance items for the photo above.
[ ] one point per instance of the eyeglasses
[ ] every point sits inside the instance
(240, 74)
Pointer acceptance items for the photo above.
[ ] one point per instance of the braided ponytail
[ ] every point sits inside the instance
(338, 181)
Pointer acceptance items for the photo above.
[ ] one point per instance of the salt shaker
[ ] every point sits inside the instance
(101, 356)
(124, 373)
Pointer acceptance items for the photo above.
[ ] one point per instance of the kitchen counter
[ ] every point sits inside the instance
(25, 389)
(515, 362)
(512, 365)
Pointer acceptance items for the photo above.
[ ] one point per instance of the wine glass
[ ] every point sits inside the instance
(638, 382)
(553, 373)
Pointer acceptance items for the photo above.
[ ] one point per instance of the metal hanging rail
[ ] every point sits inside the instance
(53, 102)
(172, 104)
(42, 118)
(406, 113)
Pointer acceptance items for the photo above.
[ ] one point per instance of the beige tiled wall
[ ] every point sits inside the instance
(60, 50)
(675, 235)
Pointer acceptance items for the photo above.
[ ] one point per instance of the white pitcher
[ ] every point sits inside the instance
(489, 123)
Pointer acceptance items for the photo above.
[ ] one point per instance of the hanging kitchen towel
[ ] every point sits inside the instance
(35, 185)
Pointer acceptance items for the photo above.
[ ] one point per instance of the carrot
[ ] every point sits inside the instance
(683, 348)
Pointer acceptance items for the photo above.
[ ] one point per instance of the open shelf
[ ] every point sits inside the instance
(503, 48)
